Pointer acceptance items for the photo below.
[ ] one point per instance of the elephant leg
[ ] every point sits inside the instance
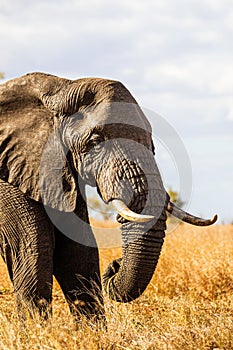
(27, 244)
(76, 268)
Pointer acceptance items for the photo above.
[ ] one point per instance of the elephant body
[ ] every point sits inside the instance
(56, 135)
(34, 250)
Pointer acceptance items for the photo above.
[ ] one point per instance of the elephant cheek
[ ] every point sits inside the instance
(88, 170)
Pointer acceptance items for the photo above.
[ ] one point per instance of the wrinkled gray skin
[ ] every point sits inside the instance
(81, 115)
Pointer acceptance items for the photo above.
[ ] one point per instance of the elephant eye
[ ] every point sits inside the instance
(95, 141)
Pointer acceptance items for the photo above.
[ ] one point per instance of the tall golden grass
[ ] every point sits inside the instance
(188, 304)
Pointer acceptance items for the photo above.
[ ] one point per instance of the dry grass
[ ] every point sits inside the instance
(188, 304)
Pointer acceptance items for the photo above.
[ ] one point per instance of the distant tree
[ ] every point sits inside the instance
(175, 197)
(99, 210)
(2, 75)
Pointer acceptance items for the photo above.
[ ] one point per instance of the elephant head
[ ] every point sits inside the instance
(55, 131)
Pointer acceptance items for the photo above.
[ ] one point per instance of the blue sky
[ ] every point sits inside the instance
(175, 56)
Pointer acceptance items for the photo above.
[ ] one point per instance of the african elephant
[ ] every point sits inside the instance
(56, 135)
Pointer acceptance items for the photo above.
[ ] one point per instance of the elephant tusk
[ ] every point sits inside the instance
(189, 218)
(128, 214)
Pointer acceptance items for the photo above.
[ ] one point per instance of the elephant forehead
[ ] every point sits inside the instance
(114, 113)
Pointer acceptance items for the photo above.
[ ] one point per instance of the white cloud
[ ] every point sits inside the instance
(196, 78)
(229, 114)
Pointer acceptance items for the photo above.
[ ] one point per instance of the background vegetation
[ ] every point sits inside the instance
(188, 304)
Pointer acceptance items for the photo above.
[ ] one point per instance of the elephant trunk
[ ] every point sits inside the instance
(126, 278)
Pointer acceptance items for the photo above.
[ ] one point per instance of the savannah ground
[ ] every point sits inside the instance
(187, 305)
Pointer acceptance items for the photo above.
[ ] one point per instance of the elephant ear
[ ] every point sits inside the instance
(32, 156)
